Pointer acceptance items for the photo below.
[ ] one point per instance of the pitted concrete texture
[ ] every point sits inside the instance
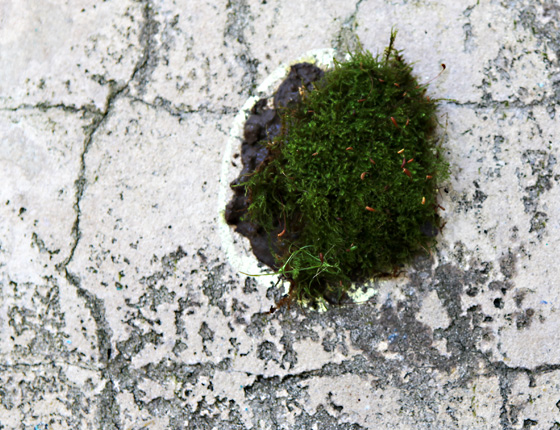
(119, 308)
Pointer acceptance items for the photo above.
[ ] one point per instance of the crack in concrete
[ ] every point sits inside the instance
(489, 103)
(346, 40)
(504, 394)
(45, 107)
(326, 370)
(109, 410)
(115, 90)
(149, 58)
(238, 19)
(53, 363)
(176, 111)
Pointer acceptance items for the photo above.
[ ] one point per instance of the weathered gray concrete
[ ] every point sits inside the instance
(121, 306)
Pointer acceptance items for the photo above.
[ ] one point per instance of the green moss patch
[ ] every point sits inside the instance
(349, 186)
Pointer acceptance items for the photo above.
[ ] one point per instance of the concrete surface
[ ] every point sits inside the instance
(119, 307)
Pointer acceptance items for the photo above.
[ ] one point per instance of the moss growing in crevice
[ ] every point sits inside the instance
(349, 186)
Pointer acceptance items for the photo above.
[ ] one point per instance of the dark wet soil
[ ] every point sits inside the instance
(263, 125)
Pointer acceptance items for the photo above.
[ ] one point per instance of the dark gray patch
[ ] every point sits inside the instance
(519, 297)
(451, 286)
(216, 288)
(168, 266)
(396, 324)
(152, 298)
(472, 291)
(499, 286)
(267, 351)
(275, 294)
(206, 333)
(325, 420)
(137, 341)
(301, 74)
(289, 358)
(507, 264)
(185, 308)
(524, 319)
(528, 423)
(250, 285)
(498, 142)
(428, 229)
(108, 412)
(329, 343)
(179, 347)
(479, 198)
(538, 224)
(542, 166)
(256, 326)
(239, 308)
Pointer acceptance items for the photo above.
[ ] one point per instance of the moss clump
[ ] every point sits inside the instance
(349, 186)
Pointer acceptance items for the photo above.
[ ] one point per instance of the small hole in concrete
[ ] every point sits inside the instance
(498, 303)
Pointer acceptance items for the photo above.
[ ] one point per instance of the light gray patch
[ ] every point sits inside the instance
(468, 44)
(546, 30)
(502, 64)
(222, 413)
(168, 38)
(41, 320)
(519, 297)
(23, 385)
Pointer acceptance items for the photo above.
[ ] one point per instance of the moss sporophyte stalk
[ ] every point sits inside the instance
(348, 188)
